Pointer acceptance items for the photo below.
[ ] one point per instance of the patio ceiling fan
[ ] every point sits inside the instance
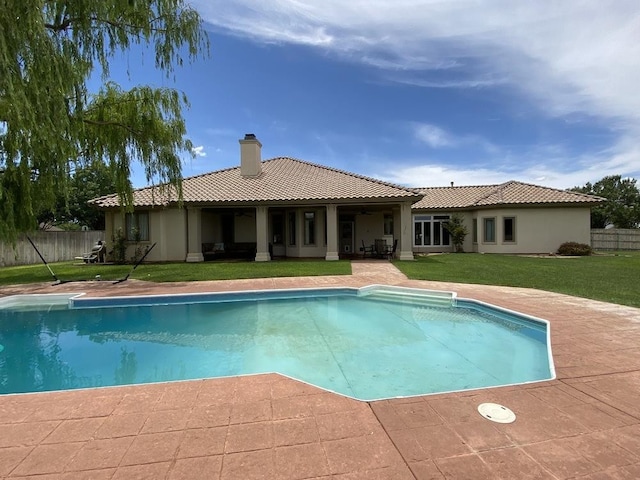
(243, 214)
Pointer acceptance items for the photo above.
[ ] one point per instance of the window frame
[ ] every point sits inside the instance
(513, 229)
(135, 220)
(474, 232)
(431, 229)
(291, 229)
(485, 239)
(277, 227)
(310, 232)
(388, 224)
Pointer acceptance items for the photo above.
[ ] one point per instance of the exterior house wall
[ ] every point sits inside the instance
(537, 230)
(368, 229)
(315, 250)
(467, 246)
(292, 250)
(168, 228)
(300, 250)
(109, 228)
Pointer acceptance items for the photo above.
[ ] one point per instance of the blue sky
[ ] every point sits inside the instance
(419, 93)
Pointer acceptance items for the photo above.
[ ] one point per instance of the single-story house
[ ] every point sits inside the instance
(285, 207)
(512, 217)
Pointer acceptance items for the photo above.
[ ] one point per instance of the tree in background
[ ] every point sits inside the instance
(72, 212)
(51, 125)
(622, 208)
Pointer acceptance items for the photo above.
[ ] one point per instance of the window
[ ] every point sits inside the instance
(489, 230)
(509, 230)
(474, 234)
(309, 228)
(137, 225)
(324, 221)
(277, 224)
(388, 224)
(429, 231)
(292, 228)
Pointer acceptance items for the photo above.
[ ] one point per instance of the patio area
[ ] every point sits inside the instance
(585, 424)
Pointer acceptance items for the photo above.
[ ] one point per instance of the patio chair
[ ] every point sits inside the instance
(380, 248)
(96, 255)
(390, 252)
(367, 250)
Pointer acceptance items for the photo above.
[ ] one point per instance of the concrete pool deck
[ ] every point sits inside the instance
(585, 424)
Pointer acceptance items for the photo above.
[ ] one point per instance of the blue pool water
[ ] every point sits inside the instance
(368, 344)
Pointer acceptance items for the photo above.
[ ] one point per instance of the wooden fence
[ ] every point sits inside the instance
(54, 247)
(615, 238)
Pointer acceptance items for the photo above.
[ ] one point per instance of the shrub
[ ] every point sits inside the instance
(119, 242)
(574, 249)
(456, 228)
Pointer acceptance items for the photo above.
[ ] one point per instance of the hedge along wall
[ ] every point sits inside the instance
(54, 247)
(615, 238)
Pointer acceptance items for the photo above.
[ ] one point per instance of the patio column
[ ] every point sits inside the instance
(406, 229)
(194, 235)
(262, 232)
(332, 233)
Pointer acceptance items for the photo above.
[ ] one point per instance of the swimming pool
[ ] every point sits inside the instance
(369, 343)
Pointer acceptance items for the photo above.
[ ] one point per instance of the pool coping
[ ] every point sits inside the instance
(449, 298)
(586, 422)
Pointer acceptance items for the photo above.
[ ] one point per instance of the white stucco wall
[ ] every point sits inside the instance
(467, 245)
(368, 228)
(537, 230)
(167, 228)
(317, 249)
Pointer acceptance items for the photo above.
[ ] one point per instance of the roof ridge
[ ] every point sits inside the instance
(497, 190)
(555, 189)
(455, 186)
(344, 172)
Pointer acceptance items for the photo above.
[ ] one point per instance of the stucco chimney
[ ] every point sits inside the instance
(250, 156)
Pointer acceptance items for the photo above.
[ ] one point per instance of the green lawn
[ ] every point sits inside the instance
(174, 272)
(606, 276)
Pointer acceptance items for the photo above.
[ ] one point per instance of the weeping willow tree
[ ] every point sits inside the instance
(50, 123)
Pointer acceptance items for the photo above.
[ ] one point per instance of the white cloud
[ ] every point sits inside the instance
(563, 57)
(433, 136)
(434, 175)
(569, 56)
(199, 151)
(546, 165)
(436, 137)
(448, 83)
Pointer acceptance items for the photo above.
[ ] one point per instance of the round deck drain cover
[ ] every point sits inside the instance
(496, 413)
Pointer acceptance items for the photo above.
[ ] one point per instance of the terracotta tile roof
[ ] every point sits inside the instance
(508, 193)
(282, 179)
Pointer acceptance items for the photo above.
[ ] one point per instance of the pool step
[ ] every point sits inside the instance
(421, 297)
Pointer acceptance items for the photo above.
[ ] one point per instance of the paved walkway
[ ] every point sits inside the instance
(585, 424)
